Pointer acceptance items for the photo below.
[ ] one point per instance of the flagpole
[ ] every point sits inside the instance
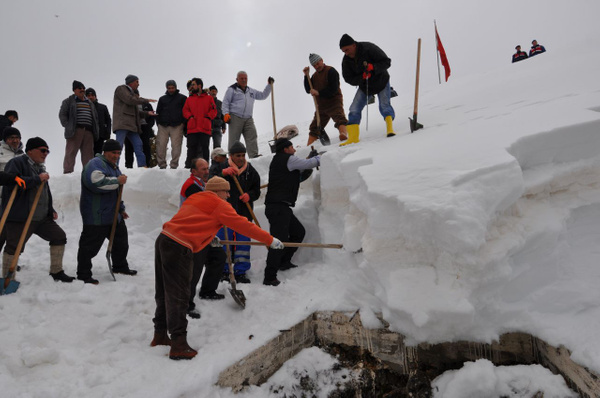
(437, 53)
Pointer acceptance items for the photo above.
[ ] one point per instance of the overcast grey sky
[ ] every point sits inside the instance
(49, 43)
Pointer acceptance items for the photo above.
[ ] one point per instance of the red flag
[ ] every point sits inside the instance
(442, 52)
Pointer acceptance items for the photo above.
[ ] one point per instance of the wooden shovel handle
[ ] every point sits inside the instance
(314, 99)
(8, 206)
(288, 244)
(239, 187)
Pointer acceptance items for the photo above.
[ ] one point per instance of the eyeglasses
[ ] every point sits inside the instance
(43, 150)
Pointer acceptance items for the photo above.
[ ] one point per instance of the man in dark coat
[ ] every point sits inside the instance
(100, 182)
(7, 120)
(218, 125)
(32, 170)
(536, 48)
(365, 65)
(79, 118)
(104, 120)
(238, 168)
(170, 125)
(519, 55)
(286, 172)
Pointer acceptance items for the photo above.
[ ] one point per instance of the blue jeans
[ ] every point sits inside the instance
(360, 101)
(138, 147)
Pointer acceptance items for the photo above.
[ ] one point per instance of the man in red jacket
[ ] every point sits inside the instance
(199, 110)
(189, 231)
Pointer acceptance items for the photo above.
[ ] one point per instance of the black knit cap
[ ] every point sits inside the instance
(281, 144)
(111, 145)
(346, 40)
(10, 132)
(237, 147)
(91, 91)
(35, 142)
(171, 83)
(212, 88)
(78, 84)
(130, 79)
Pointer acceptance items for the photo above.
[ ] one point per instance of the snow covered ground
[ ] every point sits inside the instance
(486, 221)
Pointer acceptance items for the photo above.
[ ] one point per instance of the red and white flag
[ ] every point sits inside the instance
(442, 52)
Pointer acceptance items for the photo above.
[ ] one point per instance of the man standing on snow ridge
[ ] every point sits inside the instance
(79, 118)
(218, 125)
(286, 172)
(8, 119)
(330, 101)
(32, 170)
(210, 257)
(519, 55)
(189, 231)
(199, 110)
(127, 118)
(100, 182)
(170, 125)
(536, 48)
(365, 65)
(104, 120)
(238, 106)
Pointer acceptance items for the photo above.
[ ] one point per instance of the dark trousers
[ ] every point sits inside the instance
(211, 258)
(287, 228)
(47, 229)
(91, 240)
(198, 145)
(173, 265)
(145, 137)
(98, 144)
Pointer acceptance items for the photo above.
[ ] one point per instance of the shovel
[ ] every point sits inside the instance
(239, 187)
(414, 125)
(9, 285)
(289, 244)
(323, 137)
(238, 295)
(272, 143)
(112, 232)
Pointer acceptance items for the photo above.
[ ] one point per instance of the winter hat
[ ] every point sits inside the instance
(281, 144)
(217, 152)
(346, 40)
(77, 84)
(35, 142)
(314, 58)
(10, 132)
(517, 47)
(237, 147)
(217, 184)
(130, 79)
(170, 83)
(111, 145)
(213, 87)
(90, 91)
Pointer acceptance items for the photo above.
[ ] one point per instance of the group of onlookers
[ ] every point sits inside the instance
(520, 55)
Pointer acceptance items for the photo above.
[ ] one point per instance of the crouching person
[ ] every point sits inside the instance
(100, 182)
(188, 232)
(32, 170)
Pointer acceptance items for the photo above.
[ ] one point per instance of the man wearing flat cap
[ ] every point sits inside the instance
(519, 55)
(79, 117)
(100, 183)
(330, 101)
(32, 170)
(365, 65)
(127, 116)
(188, 232)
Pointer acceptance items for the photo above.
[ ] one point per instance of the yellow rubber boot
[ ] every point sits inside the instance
(388, 125)
(352, 134)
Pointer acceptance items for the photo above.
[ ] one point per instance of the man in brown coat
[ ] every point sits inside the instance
(330, 102)
(127, 116)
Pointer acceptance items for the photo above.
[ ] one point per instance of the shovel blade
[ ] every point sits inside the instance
(109, 259)
(324, 138)
(238, 297)
(414, 125)
(10, 288)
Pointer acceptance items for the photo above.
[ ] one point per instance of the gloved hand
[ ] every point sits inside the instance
(276, 244)
(366, 75)
(245, 197)
(229, 172)
(216, 242)
(227, 118)
(20, 182)
(313, 153)
(369, 68)
(271, 80)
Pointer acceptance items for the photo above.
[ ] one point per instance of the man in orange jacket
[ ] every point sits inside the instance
(189, 231)
(199, 110)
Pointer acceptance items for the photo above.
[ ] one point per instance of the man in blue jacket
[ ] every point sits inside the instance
(100, 181)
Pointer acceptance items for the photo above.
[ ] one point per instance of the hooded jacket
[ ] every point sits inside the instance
(353, 68)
